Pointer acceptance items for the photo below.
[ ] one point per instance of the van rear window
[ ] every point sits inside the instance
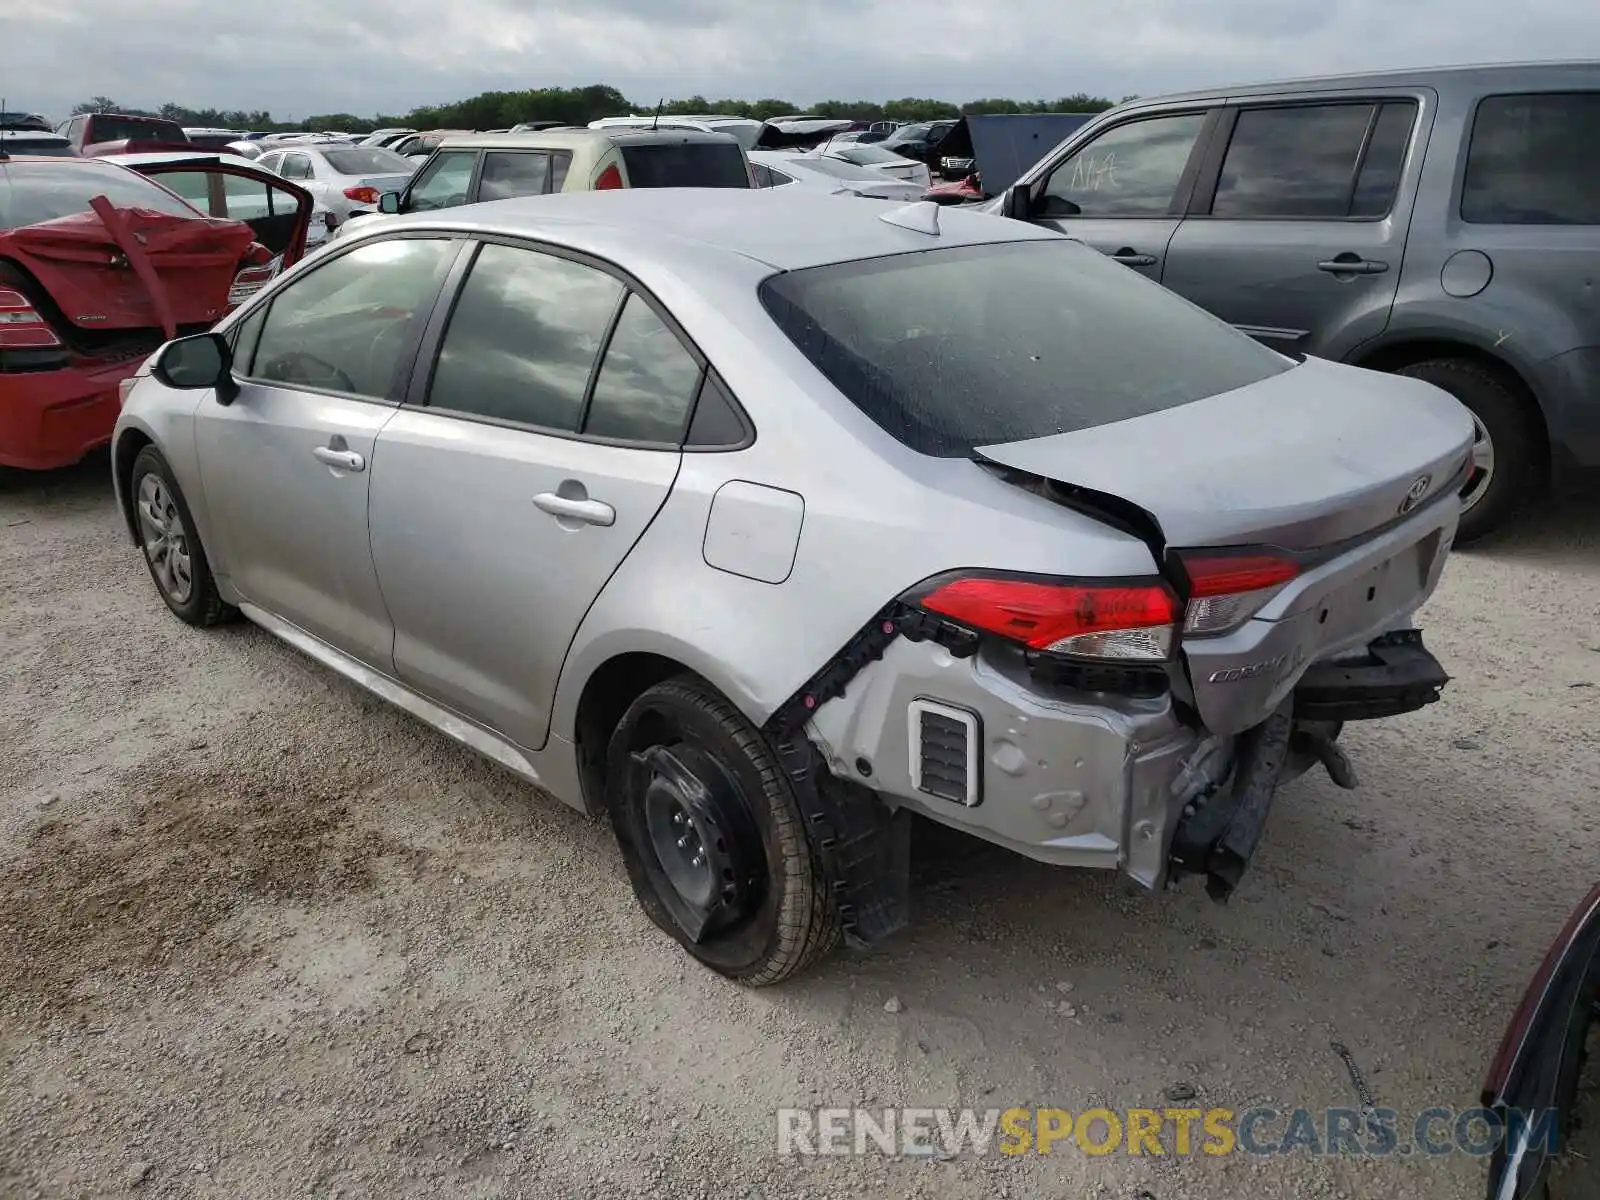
(686, 164)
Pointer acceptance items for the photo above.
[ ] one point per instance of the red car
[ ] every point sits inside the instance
(98, 267)
(101, 133)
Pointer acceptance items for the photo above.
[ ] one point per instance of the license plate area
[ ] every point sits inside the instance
(1356, 606)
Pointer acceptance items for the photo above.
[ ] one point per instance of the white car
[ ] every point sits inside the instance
(744, 130)
(345, 179)
(811, 171)
(887, 161)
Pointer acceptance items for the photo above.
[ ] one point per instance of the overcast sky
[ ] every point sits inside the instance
(299, 57)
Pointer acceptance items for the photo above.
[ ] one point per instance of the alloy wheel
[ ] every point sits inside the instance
(166, 541)
(1481, 473)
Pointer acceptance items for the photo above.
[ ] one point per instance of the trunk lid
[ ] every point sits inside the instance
(99, 285)
(1304, 459)
(386, 183)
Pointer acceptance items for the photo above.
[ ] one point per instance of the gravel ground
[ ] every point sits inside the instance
(262, 936)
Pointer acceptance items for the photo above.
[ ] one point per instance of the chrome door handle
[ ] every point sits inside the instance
(590, 512)
(343, 460)
(1129, 257)
(1352, 266)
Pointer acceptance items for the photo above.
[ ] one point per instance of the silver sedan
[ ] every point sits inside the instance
(759, 523)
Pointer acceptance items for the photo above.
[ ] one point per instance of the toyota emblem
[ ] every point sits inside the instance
(1414, 494)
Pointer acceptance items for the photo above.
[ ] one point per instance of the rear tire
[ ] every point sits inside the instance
(1509, 458)
(772, 912)
(171, 547)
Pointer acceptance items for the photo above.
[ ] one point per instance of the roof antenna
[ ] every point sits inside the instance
(660, 104)
(3, 155)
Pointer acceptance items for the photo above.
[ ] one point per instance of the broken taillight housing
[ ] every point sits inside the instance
(1227, 589)
(22, 326)
(251, 280)
(1130, 620)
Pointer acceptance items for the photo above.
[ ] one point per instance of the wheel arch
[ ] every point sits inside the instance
(607, 692)
(126, 448)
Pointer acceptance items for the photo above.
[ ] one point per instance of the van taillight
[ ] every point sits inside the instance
(252, 278)
(610, 179)
(1227, 589)
(1123, 620)
(23, 327)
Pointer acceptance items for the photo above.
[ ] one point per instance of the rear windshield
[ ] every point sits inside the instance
(837, 169)
(12, 142)
(863, 155)
(367, 160)
(31, 192)
(949, 350)
(116, 129)
(213, 141)
(686, 164)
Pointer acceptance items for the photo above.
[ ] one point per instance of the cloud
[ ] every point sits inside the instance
(298, 57)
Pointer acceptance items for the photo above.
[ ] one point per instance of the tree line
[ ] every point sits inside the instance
(580, 105)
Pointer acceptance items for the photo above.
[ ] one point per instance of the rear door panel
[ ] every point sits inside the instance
(1272, 275)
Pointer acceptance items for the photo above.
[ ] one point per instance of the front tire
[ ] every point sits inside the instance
(172, 549)
(713, 838)
(1508, 457)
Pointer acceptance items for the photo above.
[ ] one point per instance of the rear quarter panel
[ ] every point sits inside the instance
(878, 519)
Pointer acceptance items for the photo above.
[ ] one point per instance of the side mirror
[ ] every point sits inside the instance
(202, 361)
(389, 202)
(1018, 204)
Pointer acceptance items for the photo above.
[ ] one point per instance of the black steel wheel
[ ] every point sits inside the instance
(712, 837)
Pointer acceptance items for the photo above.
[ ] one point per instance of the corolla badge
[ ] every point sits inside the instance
(1414, 494)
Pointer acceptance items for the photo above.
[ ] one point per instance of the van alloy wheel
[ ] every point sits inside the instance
(1481, 474)
(166, 541)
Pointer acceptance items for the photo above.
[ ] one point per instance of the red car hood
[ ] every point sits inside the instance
(131, 267)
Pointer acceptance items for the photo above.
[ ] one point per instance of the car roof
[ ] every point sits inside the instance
(555, 139)
(785, 229)
(1489, 73)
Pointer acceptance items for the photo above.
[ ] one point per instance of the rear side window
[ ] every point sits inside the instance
(686, 164)
(948, 350)
(647, 381)
(1532, 161)
(524, 173)
(342, 327)
(523, 338)
(560, 163)
(116, 129)
(38, 190)
(1314, 161)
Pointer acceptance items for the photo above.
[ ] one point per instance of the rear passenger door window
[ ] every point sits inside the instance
(519, 173)
(1533, 161)
(560, 163)
(1309, 161)
(647, 381)
(523, 338)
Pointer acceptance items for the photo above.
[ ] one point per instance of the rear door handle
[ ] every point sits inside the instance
(1129, 257)
(590, 512)
(343, 460)
(1352, 264)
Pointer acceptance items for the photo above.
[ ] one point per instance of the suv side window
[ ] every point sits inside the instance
(443, 182)
(514, 173)
(1532, 161)
(342, 326)
(523, 338)
(647, 380)
(1132, 170)
(1301, 161)
(560, 162)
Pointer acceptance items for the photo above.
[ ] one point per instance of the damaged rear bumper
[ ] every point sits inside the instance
(1092, 779)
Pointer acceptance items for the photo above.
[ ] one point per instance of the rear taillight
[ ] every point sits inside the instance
(251, 279)
(362, 195)
(1126, 620)
(610, 179)
(23, 327)
(1226, 590)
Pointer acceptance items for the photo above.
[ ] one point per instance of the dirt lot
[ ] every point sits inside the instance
(262, 936)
